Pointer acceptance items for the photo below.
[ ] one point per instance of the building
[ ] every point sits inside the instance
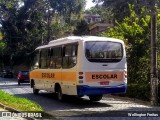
(99, 28)
(92, 18)
(96, 25)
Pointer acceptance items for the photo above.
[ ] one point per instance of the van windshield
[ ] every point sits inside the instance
(99, 51)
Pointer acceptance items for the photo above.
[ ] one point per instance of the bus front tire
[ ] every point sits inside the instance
(19, 82)
(60, 96)
(35, 91)
(95, 97)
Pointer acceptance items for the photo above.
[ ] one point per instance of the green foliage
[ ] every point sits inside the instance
(105, 13)
(135, 31)
(121, 10)
(139, 91)
(60, 29)
(82, 28)
(27, 24)
(2, 45)
(67, 8)
(22, 28)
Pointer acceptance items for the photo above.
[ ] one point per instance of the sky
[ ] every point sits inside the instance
(89, 4)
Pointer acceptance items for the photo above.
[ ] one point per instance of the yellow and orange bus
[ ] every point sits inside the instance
(75, 65)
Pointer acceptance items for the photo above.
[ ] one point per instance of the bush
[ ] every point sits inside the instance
(140, 91)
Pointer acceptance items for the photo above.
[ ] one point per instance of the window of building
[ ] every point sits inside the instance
(98, 19)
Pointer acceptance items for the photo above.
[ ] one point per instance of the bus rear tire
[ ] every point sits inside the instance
(35, 91)
(95, 97)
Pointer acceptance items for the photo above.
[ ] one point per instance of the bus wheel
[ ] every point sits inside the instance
(80, 96)
(19, 82)
(59, 93)
(35, 91)
(95, 97)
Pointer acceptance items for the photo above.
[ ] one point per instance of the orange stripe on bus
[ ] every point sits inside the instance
(69, 76)
(45, 75)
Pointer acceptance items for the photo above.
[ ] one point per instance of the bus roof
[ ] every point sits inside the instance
(72, 39)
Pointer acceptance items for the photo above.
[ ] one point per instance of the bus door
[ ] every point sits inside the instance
(69, 71)
(55, 65)
(44, 75)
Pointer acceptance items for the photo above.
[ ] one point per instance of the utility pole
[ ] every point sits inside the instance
(154, 71)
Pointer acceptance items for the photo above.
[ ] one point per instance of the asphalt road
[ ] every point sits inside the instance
(81, 108)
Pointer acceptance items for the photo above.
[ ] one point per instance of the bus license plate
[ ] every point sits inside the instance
(104, 83)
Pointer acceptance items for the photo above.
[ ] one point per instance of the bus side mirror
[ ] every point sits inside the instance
(36, 66)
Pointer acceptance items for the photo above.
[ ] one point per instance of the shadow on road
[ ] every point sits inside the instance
(49, 102)
(72, 106)
(11, 86)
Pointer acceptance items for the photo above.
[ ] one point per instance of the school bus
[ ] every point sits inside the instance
(80, 65)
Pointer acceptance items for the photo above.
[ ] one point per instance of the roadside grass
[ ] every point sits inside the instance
(20, 104)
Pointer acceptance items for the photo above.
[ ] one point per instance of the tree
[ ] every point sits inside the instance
(2, 47)
(82, 28)
(105, 13)
(135, 31)
(120, 8)
(67, 8)
(60, 30)
(27, 24)
(21, 26)
(65, 16)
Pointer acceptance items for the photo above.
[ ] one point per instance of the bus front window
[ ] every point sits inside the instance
(103, 51)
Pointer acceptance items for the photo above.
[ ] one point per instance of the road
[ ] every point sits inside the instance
(73, 107)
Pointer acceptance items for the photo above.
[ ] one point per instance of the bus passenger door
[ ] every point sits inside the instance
(69, 71)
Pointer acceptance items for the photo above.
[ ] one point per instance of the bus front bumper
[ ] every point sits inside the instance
(88, 90)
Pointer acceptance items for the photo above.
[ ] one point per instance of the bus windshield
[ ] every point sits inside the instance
(99, 51)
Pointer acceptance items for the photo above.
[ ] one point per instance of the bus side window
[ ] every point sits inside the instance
(69, 55)
(88, 54)
(74, 50)
(44, 58)
(52, 63)
(56, 58)
(48, 58)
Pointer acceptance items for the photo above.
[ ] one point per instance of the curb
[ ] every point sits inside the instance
(27, 118)
(14, 110)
